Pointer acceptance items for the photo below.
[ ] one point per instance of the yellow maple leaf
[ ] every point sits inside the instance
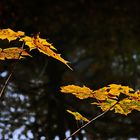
(101, 94)
(117, 89)
(114, 86)
(43, 46)
(10, 34)
(114, 89)
(135, 104)
(107, 104)
(126, 90)
(135, 96)
(129, 104)
(12, 53)
(80, 92)
(45, 42)
(108, 98)
(78, 116)
(29, 42)
(125, 106)
(119, 109)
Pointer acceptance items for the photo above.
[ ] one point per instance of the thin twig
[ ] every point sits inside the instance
(10, 75)
(5, 84)
(93, 119)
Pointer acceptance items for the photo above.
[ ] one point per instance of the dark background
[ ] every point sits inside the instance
(101, 39)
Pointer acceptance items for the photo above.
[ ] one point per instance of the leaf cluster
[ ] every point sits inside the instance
(122, 99)
(34, 42)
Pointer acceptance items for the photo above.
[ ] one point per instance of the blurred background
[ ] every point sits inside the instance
(101, 39)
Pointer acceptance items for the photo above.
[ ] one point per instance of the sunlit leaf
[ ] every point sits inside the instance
(12, 53)
(29, 42)
(101, 94)
(10, 34)
(135, 96)
(78, 116)
(43, 46)
(108, 98)
(80, 92)
(125, 106)
(106, 105)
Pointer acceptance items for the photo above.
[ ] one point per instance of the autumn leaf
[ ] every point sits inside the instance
(10, 34)
(126, 90)
(106, 104)
(34, 42)
(29, 41)
(117, 89)
(43, 46)
(135, 96)
(78, 116)
(80, 92)
(101, 94)
(125, 106)
(111, 94)
(109, 97)
(112, 91)
(12, 53)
